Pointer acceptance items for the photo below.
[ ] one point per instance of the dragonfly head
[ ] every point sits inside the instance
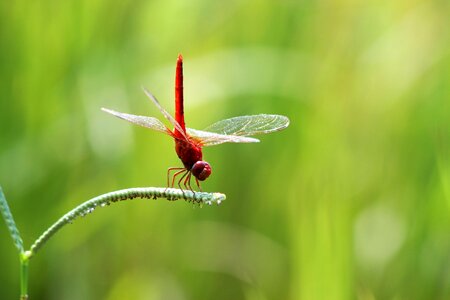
(201, 170)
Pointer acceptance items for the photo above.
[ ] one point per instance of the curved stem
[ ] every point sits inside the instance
(88, 207)
(121, 195)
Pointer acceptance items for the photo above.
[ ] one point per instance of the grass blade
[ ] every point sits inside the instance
(9, 220)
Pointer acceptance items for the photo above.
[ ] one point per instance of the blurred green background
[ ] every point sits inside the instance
(352, 201)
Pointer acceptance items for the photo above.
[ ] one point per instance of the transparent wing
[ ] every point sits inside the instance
(165, 113)
(205, 138)
(143, 121)
(237, 129)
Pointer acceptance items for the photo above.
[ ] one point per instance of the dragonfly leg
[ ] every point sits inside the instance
(187, 182)
(174, 176)
(181, 179)
(168, 175)
(198, 184)
(178, 173)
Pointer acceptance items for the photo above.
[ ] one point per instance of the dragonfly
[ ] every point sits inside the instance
(189, 142)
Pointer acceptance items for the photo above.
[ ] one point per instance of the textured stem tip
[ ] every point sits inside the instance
(9, 220)
(122, 195)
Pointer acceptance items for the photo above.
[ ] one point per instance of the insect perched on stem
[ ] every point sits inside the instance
(189, 142)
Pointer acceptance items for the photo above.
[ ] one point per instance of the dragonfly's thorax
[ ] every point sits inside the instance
(189, 153)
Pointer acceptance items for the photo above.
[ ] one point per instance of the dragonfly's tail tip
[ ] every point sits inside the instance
(180, 57)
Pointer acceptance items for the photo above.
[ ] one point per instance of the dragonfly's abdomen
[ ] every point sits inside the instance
(179, 101)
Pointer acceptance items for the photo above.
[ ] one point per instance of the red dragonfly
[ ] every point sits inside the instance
(189, 142)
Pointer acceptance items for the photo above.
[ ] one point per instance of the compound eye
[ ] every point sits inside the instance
(201, 170)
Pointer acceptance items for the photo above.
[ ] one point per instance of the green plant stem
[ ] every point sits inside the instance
(88, 207)
(122, 195)
(24, 259)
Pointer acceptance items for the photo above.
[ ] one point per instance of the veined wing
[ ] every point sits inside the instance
(250, 125)
(165, 113)
(205, 138)
(143, 121)
(237, 129)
